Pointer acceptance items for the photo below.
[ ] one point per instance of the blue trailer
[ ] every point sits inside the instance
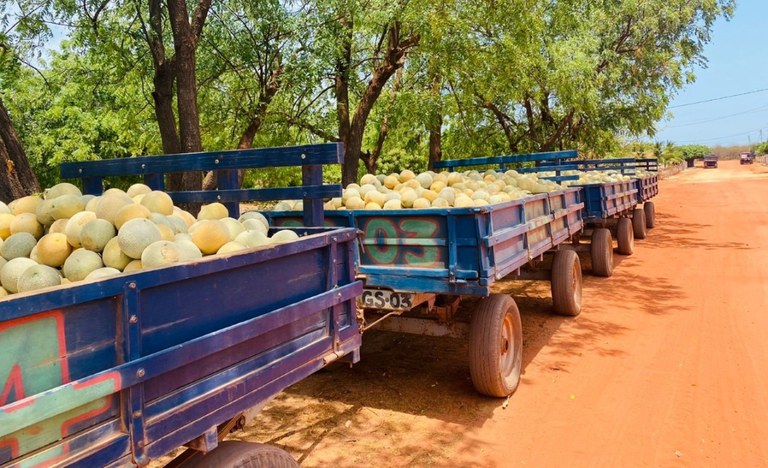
(418, 263)
(122, 370)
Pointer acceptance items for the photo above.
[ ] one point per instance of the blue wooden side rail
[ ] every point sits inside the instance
(310, 158)
(502, 161)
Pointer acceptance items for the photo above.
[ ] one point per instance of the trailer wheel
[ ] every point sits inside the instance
(566, 283)
(625, 237)
(237, 454)
(601, 251)
(650, 214)
(496, 346)
(639, 223)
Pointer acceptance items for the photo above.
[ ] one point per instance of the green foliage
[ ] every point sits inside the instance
(503, 77)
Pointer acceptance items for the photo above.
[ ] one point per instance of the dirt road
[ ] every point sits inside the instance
(666, 366)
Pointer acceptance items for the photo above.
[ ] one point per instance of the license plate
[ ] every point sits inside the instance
(388, 300)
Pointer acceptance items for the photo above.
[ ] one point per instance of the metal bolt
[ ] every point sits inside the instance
(133, 319)
(215, 161)
(80, 171)
(218, 197)
(140, 373)
(132, 285)
(143, 166)
(136, 414)
(303, 156)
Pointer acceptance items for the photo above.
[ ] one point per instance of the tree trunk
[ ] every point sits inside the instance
(435, 141)
(165, 76)
(353, 138)
(16, 176)
(185, 36)
(371, 160)
(351, 155)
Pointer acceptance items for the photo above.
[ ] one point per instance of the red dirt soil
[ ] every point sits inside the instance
(666, 366)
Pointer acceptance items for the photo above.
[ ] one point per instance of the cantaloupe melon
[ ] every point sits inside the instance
(53, 249)
(284, 235)
(11, 271)
(421, 203)
(5, 224)
(26, 204)
(253, 239)
(440, 203)
(80, 263)
(27, 222)
(110, 204)
(38, 277)
(255, 215)
(177, 223)
(113, 256)
(213, 211)
(3, 292)
(96, 233)
(161, 253)
(4, 208)
(17, 245)
(372, 206)
(135, 235)
(75, 225)
(406, 175)
(43, 212)
(355, 203)
(230, 247)
(131, 211)
(65, 206)
(189, 250)
(137, 189)
(209, 235)
(103, 272)
(393, 204)
(189, 220)
(166, 232)
(255, 225)
(63, 188)
(92, 203)
(234, 227)
(134, 265)
(158, 202)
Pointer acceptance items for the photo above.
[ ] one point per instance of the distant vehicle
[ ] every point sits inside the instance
(710, 161)
(746, 157)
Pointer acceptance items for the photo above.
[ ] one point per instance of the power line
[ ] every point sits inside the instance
(718, 98)
(748, 111)
(723, 137)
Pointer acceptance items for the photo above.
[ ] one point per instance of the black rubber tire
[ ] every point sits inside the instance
(496, 346)
(601, 251)
(237, 454)
(566, 283)
(650, 214)
(625, 237)
(638, 223)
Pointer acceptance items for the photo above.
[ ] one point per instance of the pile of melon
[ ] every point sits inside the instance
(64, 236)
(433, 190)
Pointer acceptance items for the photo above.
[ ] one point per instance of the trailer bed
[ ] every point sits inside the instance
(125, 369)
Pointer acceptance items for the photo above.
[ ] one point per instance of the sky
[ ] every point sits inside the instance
(738, 63)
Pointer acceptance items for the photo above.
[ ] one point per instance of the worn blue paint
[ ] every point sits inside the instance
(454, 250)
(139, 364)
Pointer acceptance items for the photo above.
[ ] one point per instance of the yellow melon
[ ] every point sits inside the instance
(213, 211)
(80, 263)
(393, 204)
(406, 175)
(5, 224)
(38, 277)
(234, 226)
(421, 203)
(136, 234)
(209, 235)
(92, 203)
(284, 235)
(262, 219)
(11, 271)
(134, 265)
(255, 225)
(189, 220)
(4, 208)
(166, 232)
(3, 292)
(26, 204)
(129, 212)
(113, 256)
(43, 212)
(110, 204)
(66, 206)
(63, 188)
(189, 250)
(230, 247)
(137, 189)
(161, 253)
(53, 249)
(102, 272)
(355, 203)
(27, 222)
(253, 239)
(75, 225)
(158, 202)
(96, 233)
(17, 245)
